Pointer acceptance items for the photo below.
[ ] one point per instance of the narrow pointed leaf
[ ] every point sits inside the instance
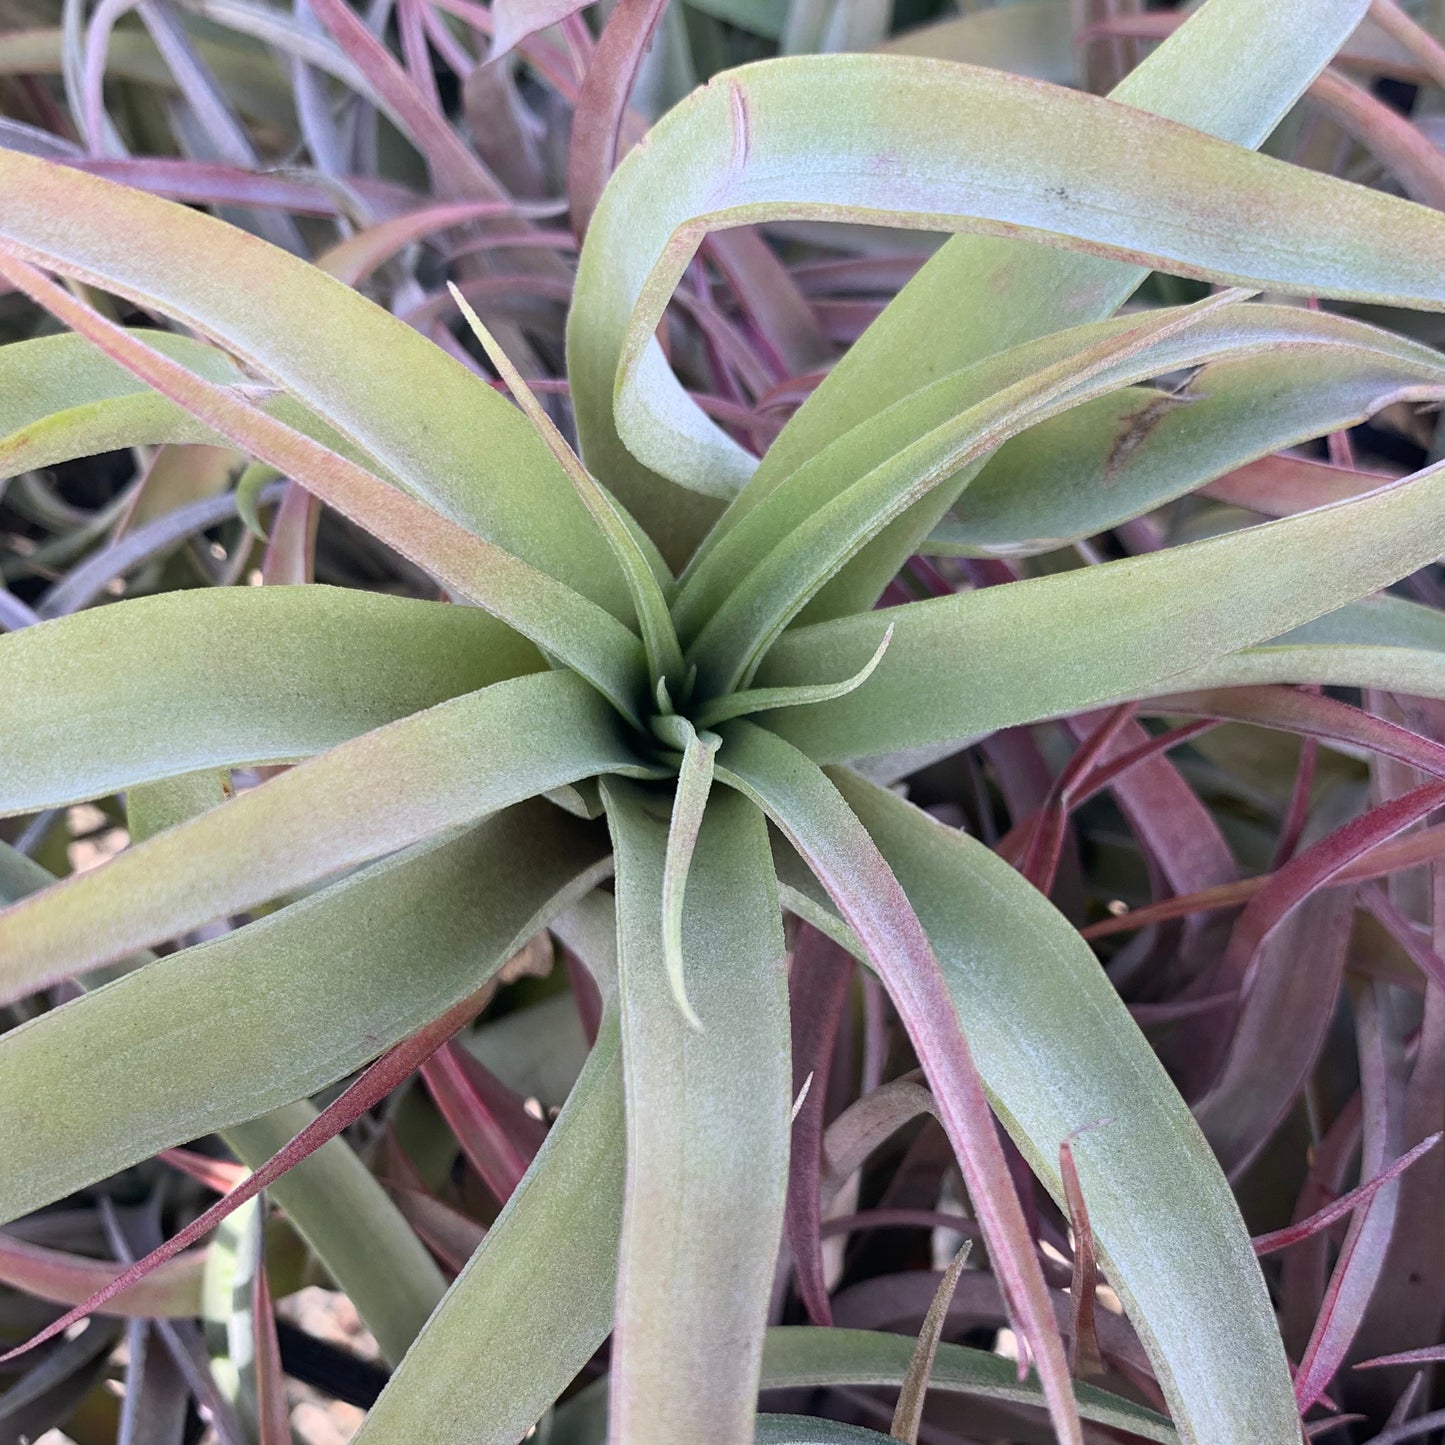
(694, 784)
(908, 1413)
(797, 1356)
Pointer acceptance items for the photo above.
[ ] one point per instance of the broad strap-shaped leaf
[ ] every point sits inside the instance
(814, 547)
(275, 1011)
(937, 324)
(1058, 1050)
(883, 136)
(1106, 461)
(814, 817)
(227, 675)
(937, 439)
(60, 398)
(566, 623)
(707, 1125)
(536, 1300)
(966, 665)
(402, 784)
(1383, 642)
(795, 1356)
(378, 382)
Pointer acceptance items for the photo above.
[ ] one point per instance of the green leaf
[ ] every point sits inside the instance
(752, 529)
(798, 1356)
(807, 1430)
(1383, 642)
(60, 398)
(269, 1014)
(577, 631)
(815, 818)
(1026, 37)
(966, 665)
(223, 676)
(536, 1300)
(939, 323)
(707, 1126)
(881, 135)
(1108, 460)
(637, 560)
(402, 784)
(1058, 1050)
(379, 383)
(817, 540)
(694, 785)
(763, 699)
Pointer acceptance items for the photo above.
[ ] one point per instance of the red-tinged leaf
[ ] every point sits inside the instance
(1273, 1038)
(1428, 1355)
(453, 1237)
(1404, 932)
(1308, 714)
(219, 1175)
(1345, 1205)
(174, 1290)
(290, 557)
(355, 258)
(497, 1135)
(770, 299)
(602, 105)
(1357, 1270)
(1280, 486)
(1411, 1429)
(514, 20)
(898, 1302)
(273, 1415)
(1410, 1304)
(818, 985)
(1399, 146)
(807, 808)
(456, 173)
(375, 1082)
(1040, 856)
(1314, 868)
(209, 183)
(1084, 1356)
(1411, 36)
(1378, 862)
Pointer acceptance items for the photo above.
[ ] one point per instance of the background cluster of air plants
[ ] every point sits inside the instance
(1257, 867)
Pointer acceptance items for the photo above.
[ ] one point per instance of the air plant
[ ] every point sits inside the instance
(654, 706)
